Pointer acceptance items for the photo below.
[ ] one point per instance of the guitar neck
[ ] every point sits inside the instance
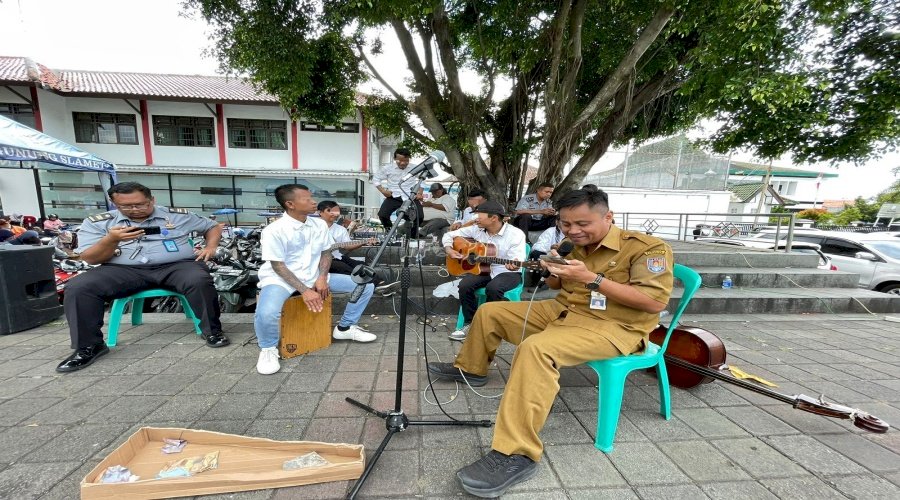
(498, 260)
(345, 244)
(718, 375)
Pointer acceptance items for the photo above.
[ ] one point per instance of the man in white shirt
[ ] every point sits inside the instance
(388, 180)
(330, 212)
(297, 251)
(510, 242)
(548, 240)
(535, 211)
(439, 211)
(476, 197)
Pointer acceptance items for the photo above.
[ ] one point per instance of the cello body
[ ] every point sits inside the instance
(694, 345)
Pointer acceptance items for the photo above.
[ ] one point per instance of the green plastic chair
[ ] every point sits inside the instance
(137, 311)
(611, 373)
(513, 295)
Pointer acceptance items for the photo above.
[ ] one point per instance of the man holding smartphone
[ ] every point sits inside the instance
(139, 246)
(612, 288)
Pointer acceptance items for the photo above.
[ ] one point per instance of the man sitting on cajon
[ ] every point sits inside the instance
(296, 249)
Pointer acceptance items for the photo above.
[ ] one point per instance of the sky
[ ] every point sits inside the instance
(154, 36)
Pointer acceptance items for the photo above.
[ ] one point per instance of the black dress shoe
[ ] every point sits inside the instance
(82, 357)
(216, 340)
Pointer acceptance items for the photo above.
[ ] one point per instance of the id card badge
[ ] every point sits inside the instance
(598, 301)
(170, 245)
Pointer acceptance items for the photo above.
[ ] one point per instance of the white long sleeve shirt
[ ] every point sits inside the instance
(510, 243)
(389, 176)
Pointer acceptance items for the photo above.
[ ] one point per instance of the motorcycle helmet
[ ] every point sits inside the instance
(52, 216)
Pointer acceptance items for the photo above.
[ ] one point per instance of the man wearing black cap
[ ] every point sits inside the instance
(510, 243)
(439, 211)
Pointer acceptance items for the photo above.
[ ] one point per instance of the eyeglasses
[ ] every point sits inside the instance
(138, 206)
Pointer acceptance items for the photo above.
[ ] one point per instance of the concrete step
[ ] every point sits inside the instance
(745, 258)
(776, 277)
(783, 301)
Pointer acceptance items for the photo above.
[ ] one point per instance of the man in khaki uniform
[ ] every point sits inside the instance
(614, 286)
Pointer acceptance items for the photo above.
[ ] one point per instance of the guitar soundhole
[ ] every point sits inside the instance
(471, 258)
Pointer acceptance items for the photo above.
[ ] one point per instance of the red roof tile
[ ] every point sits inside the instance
(13, 69)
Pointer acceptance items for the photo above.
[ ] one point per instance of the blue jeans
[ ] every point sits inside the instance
(267, 321)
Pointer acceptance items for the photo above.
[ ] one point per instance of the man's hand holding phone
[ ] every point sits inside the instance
(125, 233)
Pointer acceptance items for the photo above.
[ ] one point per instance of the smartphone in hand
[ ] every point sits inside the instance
(151, 230)
(554, 259)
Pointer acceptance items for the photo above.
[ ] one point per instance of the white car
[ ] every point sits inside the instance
(799, 247)
(874, 256)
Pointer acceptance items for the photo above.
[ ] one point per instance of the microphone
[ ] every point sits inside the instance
(565, 248)
(426, 166)
(357, 293)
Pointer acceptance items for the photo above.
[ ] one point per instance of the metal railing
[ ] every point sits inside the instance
(690, 226)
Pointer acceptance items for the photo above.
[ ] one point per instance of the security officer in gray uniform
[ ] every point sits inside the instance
(134, 259)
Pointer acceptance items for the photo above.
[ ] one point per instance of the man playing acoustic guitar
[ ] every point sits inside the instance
(510, 244)
(614, 285)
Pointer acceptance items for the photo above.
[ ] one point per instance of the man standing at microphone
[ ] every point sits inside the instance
(389, 181)
(613, 287)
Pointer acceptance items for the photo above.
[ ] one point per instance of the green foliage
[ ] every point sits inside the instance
(847, 216)
(815, 78)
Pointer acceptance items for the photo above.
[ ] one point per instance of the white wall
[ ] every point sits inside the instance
(181, 156)
(257, 159)
(337, 151)
(17, 192)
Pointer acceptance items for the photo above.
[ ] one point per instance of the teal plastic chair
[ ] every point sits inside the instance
(137, 311)
(513, 295)
(611, 373)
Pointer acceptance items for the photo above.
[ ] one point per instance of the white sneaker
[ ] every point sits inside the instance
(460, 335)
(354, 333)
(268, 361)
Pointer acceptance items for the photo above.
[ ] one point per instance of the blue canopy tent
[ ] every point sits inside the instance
(24, 147)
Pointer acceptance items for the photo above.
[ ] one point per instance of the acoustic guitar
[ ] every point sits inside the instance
(478, 257)
(695, 356)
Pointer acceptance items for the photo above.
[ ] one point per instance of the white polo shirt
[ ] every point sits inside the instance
(551, 236)
(510, 243)
(298, 244)
(340, 235)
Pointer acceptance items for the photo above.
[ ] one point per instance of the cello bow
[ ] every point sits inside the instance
(819, 406)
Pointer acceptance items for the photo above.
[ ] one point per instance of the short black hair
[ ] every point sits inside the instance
(402, 151)
(128, 188)
(476, 192)
(589, 186)
(546, 185)
(283, 192)
(586, 195)
(326, 205)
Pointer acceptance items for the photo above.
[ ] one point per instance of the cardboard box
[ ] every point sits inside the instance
(245, 463)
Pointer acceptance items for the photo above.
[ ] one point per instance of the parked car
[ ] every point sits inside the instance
(799, 247)
(874, 256)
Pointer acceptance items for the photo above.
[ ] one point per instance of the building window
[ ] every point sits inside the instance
(105, 128)
(350, 128)
(257, 134)
(183, 131)
(22, 113)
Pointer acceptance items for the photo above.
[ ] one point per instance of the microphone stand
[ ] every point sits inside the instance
(395, 419)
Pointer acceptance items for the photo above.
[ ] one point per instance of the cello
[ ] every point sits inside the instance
(696, 356)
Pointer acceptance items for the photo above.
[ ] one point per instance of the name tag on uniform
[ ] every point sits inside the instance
(170, 245)
(598, 301)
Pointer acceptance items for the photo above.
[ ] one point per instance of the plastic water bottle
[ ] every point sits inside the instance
(727, 283)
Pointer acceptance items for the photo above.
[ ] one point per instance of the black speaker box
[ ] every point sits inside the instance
(27, 288)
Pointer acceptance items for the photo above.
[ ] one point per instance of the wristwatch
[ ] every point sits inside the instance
(595, 285)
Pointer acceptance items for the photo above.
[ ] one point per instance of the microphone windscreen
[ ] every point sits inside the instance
(438, 156)
(565, 248)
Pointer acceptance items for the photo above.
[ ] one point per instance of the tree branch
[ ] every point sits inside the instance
(377, 75)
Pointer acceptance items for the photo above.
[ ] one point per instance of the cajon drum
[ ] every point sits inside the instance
(303, 331)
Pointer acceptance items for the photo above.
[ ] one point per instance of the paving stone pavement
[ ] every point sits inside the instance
(722, 442)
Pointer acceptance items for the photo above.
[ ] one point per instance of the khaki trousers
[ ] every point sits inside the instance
(534, 376)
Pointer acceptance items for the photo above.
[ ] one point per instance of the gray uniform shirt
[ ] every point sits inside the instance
(531, 202)
(170, 246)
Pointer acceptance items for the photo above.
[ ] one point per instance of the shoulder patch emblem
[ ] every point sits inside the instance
(655, 252)
(100, 217)
(656, 265)
(174, 210)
